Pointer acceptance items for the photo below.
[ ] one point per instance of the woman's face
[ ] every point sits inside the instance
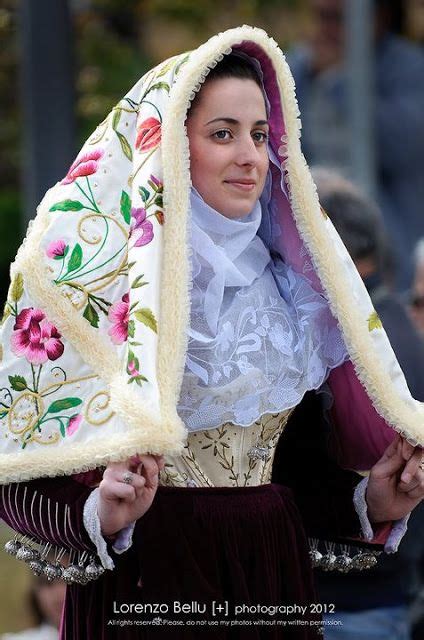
(228, 130)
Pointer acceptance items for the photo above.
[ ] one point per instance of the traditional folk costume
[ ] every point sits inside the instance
(141, 320)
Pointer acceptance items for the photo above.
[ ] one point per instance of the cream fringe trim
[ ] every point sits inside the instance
(148, 432)
(385, 397)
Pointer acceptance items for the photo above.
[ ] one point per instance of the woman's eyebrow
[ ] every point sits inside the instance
(234, 121)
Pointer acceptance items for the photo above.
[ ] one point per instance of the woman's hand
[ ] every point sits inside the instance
(396, 482)
(127, 491)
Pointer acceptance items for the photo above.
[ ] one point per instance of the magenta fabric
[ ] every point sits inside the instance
(362, 434)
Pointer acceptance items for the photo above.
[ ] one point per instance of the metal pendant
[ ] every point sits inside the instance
(12, 547)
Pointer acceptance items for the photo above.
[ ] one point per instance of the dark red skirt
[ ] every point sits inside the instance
(224, 563)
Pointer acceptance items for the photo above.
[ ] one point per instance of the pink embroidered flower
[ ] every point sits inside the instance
(57, 249)
(35, 338)
(85, 165)
(142, 229)
(74, 423)
(119, 315)
(158, 184)
(132, 369)
(148, 134)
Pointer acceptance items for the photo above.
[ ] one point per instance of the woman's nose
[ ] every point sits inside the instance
(247, 152)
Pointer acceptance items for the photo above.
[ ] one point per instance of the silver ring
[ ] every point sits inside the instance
(127, 477)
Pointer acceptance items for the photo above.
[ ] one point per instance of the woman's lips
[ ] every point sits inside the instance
(242, 185)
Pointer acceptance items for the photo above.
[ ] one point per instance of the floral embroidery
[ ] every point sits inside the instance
(44, 397)
(74, 423)
(85, 165)
(119, 315)
(207, 460)
(374, 321)
(57, 249)
(142, 229)
(36, 338)
(149, 135)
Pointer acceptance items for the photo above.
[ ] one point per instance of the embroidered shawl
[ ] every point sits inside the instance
(94, 333)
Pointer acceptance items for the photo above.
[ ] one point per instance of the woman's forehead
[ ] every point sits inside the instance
(226, 96)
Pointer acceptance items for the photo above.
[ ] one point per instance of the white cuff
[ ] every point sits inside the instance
(399, 527)
(92, 525)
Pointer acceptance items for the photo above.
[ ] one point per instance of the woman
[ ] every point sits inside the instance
(260, 335)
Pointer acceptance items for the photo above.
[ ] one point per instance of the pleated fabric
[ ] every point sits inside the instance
(233, 547)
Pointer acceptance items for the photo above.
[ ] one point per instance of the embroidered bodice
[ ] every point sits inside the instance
(229, 455)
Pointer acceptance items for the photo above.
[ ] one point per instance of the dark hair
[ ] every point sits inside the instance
(234, 66)
(231, 66)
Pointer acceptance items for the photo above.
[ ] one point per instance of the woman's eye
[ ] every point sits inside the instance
(222, 134)
(260, 136)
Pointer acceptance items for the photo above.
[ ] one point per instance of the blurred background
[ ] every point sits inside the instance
(359, 71)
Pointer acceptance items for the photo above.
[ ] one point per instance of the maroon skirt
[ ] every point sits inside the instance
(225, 563)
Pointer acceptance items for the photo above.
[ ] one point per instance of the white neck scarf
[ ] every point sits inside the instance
(260, 336)
(226, 253)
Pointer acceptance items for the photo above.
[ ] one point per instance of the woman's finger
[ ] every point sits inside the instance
(406, 487)
(120, 490)
(407, 449)
(160, 461)
(150, 470)
(417, 492)
(412, 466)
(114, 469)
(391, 461)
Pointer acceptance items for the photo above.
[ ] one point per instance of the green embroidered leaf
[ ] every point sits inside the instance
(6, 313)
(374, 322)
(67, 205)
(63, 404)
(17, 287)
(180, 63)
(159, 201)
(145, 194)
(18, 383)
(155, 187)
(126, 207)
(166, 67)
(131, 328)
(116, 117)
(62, 429)
(133, 359)
(125, 145)
(138, 282)
(76, 258)
(147, 317)
(157, 85)
(160, 217)
(91, 315)
(99, 133)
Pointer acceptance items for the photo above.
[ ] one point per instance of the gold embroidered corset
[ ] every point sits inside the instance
(228, 456)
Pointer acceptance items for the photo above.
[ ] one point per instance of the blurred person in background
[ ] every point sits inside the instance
(45, 601)
(417, 291)
(319, 71)
(375, 606)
